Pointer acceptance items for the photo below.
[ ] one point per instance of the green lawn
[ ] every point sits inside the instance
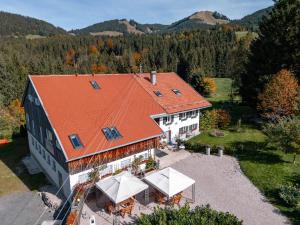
(12, 177)
(268, 169)
(223, 90)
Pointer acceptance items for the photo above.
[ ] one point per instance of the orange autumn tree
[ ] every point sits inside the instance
(280, 96)
(209, 86)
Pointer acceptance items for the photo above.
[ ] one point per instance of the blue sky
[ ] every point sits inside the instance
(70, 14)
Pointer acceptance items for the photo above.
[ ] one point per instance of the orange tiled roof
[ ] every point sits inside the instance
(170, 102)
(73, 106)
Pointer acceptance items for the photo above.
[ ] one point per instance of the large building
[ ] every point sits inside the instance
(76, 122)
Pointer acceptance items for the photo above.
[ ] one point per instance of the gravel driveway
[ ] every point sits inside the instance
(22, 209)
(220, 183)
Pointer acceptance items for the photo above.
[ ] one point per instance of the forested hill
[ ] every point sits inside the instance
(119, 27)
(17, 25)
(198, 20)
(252, 21)
(210, 52)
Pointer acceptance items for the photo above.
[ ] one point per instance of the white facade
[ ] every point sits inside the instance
(183, 125)
(52, 169)
(111, 167)
(48, 164)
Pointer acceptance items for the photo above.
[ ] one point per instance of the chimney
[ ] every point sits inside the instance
(153, 77)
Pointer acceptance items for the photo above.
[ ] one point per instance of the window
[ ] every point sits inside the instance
(40, 149)
(158, 93)
(182, 116)
(37, 101)
(194, 113)
(176, 91)
(83, 178)
(41, 135)
(53, 165)
(48, 135)
(95, 85)
(44, 154)
(183, 130)
(168, 119)
(75, 141)
(193, 127)
(30, 97)
(111, 133)
(57, 144)
(107, 170)
(48, 159)
(27, 121)
(33, 130)
(125, 163)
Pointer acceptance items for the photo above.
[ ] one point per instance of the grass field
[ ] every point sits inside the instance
(223, 90)
(268, 169)
(13, 177)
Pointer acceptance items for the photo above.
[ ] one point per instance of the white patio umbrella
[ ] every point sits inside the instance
(121, 187)
(169, 181)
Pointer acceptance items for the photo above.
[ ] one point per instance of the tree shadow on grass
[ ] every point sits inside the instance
(251, 151)
(11, 155)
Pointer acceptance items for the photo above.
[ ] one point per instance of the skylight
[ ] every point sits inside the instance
(95, 84)
(75, 141)
(158, 93)
(176, 91)
(111, 133)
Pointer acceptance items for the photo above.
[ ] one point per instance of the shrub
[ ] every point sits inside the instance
(150, 163)
(208, 120)
(223, 118)
(209, 86)
(290, 195)
(216, 118)
(185, 216)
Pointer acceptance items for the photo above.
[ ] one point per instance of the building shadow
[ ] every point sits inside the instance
(11, 155)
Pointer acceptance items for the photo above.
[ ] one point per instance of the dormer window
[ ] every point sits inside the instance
(95, 85)
(74, 138)
(158, 93)
(176, 91)
(111, 133)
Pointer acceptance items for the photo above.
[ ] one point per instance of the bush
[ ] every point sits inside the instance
(208, 120)
(290, 195)
(216, 118)
(185, 216)
(223, 118)
(150, 163)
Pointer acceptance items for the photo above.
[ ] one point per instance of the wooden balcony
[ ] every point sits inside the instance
(79, 165)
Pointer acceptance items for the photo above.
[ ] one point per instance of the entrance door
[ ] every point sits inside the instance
(169, 136)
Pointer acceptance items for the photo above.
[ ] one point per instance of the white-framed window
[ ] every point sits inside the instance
(41, 135)
(107, 170)
(168, 119)
(183, 130)
(37, 101)
(182, 116)
(125, 163)
(194, 113)
(30, 98)
(83, 178)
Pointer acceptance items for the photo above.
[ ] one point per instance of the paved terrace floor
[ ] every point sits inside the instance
(219, 182)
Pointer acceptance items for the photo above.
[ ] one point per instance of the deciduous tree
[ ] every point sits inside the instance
(280, 96)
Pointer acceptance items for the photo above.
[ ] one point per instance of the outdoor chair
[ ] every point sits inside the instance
(160, 198)
(127, 210)
(110, 208)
